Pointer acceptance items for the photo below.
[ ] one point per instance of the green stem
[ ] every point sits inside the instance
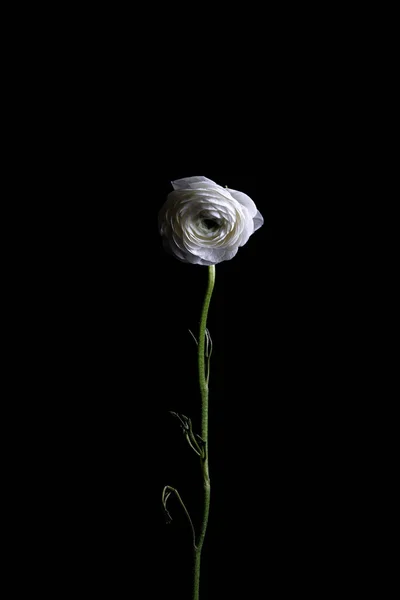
(204, 432)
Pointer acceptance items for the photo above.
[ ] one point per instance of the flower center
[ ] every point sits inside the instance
(210, 224)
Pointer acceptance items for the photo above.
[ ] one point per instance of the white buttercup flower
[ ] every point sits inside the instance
(204, 224)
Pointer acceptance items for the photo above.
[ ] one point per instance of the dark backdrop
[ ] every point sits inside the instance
(116, 356)
(101, 328)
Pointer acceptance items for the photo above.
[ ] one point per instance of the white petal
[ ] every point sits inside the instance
(172, 248)
(258, 221)
(187, 183)
(245, 200)
(211, 256)
(248, 230)
(230, 253)
(203, 185)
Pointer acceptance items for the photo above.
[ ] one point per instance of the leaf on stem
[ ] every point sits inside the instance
(167, 491)
(194, 337)
(208, 352)
(193, 439)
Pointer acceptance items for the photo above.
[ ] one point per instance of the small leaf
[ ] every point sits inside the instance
(183, 419)
(165, 495)
(202, 445)
(208, 352)
(194, 337)
(195, 441)
(167, 491)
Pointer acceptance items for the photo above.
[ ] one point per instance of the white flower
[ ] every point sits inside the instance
(204, 224)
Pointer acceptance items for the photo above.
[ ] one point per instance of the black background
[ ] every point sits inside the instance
(132, 309)
(100, 338)
(115, 356)
(106, 314)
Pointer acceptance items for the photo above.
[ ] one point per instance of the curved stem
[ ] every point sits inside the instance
(201, 354)
(203, 381)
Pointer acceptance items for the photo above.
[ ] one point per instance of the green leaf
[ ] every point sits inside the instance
(193, 439)
(167, 491)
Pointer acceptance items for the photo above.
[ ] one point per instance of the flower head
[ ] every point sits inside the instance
(204, 224)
